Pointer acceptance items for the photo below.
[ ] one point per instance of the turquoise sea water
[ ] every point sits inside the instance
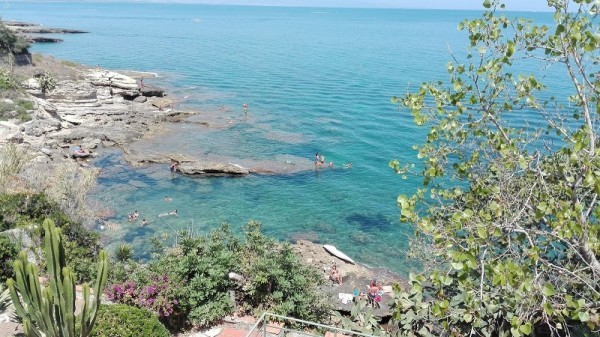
(316, 80)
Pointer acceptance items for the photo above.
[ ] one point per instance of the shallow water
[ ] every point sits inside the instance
(315, 80)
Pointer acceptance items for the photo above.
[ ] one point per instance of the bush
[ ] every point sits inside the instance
(274, 278)
(127, 321)
(6, 81)
(47, 82)
(11, 43)
(158, 294)
(123, 253)
(19, 210)
(203, 262)
(17, 110)
(81, 245)
(8, 252)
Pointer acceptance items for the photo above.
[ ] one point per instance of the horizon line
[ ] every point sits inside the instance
(201, 2)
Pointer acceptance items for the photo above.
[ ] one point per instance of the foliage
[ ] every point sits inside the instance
(5, 301)
(8, 253)
(123, 253)
(127, 321)
(361, 319)
(46, 81)
(276, 280)
(11, 43)
(203, 263)
(195, 274)
(510, 213)
(81, 245)
(18, 110)
(12, 161)
(68, 185)
(50, 311)
(120, 272)
(6, 80)
(159, 295)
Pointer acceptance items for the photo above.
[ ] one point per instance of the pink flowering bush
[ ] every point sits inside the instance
(160, 294)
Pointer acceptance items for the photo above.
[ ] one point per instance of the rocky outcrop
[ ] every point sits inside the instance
(203, 168)
(25, 30)
(26, 27)
(111, 79)
(42, 39)
(152, 91)
(88, 108)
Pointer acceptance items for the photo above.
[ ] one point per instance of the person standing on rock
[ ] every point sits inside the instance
(142, 83)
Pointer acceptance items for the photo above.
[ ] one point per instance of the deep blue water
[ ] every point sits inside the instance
(315, 79)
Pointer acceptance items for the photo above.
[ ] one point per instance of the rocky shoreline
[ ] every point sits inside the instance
(26, 29)
(99, 109)
(89, 107)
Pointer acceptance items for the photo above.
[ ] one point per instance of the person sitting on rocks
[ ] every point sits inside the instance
(335, 275)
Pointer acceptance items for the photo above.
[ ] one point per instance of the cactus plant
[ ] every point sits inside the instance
(50, 311)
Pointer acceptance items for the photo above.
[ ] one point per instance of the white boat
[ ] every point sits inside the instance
(335, 252)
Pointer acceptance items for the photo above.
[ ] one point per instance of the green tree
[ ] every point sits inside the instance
(11, 43)
(508, 215)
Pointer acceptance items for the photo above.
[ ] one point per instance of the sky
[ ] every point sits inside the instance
(513, 5)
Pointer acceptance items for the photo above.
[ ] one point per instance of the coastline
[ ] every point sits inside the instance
(90, 107)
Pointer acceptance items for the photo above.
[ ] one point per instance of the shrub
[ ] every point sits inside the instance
(204, 262)
(6, 81)
(121, 272)
(123, 253)
(127, 321)
(11, 43)
(47, 82)
(276, 280)
(159, 295)
(50, 310)
(8, 253)
(13, 160)
(81, 245)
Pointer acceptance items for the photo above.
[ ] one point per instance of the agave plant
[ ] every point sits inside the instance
(5, 301)
(50, 311)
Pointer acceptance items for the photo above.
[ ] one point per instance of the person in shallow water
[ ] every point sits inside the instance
(144, 222)
(173, 166)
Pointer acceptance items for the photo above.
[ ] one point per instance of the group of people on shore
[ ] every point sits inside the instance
(374, 292)
(373, 296)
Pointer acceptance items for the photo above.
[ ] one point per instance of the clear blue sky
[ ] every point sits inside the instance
(513, 5)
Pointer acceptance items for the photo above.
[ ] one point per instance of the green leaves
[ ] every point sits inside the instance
(548, 290)
(524, 231)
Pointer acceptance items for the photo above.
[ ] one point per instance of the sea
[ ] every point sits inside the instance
(315, 80)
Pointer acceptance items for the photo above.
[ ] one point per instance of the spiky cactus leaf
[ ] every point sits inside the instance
(89, 314)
